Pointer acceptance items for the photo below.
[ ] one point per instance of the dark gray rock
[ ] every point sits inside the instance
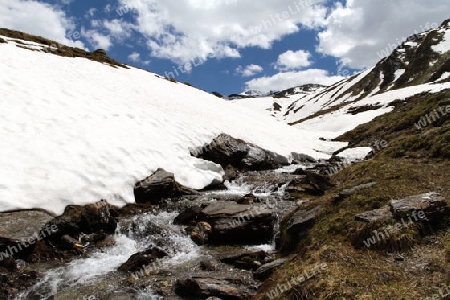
(98, 218)
(202, 287)
(264, 272)
(141, 259)
(376, 215)
(22, 225)
(432, 204)
(300, 223)
(160, 184)
(226, 150)
(302, 158)
(239, 224)
(2, 40)
(248, 260)
(348, 192)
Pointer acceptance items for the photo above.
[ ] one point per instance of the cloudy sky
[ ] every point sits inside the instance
(230, 46)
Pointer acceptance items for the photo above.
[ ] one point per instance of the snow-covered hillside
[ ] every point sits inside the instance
(75, 131)
(420, 64)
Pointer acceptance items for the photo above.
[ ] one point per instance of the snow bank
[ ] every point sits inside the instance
(75, 131)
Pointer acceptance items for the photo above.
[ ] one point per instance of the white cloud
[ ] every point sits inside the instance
(182, 30)
(249, 70)
(291, 60)
(39, 19)
(134, 56)
(97, 39)
(287, 80)
(356, 32)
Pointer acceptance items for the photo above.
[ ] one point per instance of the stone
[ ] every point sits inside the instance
(161, 184)
(202, 287)
(188, 217)
(264, 272)
(237, 224)
(248, 260)
(300, 223)
(432, 204)
(377, 215)
(22, 226)
(348, 192)
(201, 232)
(141, 259)
(226, 150)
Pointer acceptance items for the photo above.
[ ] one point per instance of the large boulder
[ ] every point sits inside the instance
(234, 224)
(226, 150)
(160, 184)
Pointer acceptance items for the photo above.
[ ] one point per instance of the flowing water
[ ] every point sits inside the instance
(95, 275)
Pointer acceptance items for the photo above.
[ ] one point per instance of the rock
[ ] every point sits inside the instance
(22, 225)
(199, 287)
(239, 224)
(312, 182)
(300, 223)
(249, 260)
(188, 217)
(99, 217)
(100, 51)
(348, 192)
(247, 199)
(230, 173)
(160, 184)
(201, 232)
(432, 204)
(264, 272)
(8, 263)
(2, 41)
(141, 259)
(302, 158)
(69, 243)
(207, 265)
(376, 215)
(226, 150)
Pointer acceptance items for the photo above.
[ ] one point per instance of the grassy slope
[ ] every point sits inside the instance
(416, 161)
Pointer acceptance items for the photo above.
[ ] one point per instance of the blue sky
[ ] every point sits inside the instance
(230, 46)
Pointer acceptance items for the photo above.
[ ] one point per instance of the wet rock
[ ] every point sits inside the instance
(302, 158)
(99, 217)
(348, 192)
(12, 283)
(376, 215)
(160, 184)
(141, 259)
(226, 150)
(206, 265)
(264, 272)
(201, 232)
(8, 263)
(121, 295)
(432, 204)
(189, 216)
(230, 173)
(248, 260)
(23, 226)
(239, 224)
(247, 199)
(202, 287)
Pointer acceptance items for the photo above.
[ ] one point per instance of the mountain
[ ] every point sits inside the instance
(419, 64)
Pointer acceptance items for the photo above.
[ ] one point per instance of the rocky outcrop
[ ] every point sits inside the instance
(141, 259)
(202, 287)
(159, 185)
(226, 150)
(238, 224)
(300, 223)
(377, 215)
(432, 204)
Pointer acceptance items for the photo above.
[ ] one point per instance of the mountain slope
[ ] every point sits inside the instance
(420, 64)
